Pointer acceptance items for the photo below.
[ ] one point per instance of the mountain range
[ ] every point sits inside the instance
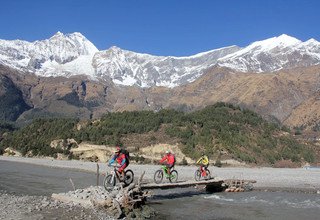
(73, 54)
(67, 75)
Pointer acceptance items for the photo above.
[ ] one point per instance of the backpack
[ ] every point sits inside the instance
(126, 153)
(174, 158)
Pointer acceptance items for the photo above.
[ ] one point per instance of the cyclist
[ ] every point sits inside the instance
(204, 163)
(170, 161)
(122, 160)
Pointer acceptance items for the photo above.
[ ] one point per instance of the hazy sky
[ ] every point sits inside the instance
(161, 27)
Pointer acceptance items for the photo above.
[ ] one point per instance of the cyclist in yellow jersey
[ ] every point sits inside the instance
(204, 163)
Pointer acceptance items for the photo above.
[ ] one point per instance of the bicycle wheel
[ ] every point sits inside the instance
(158, 176)
(173, 176)
(109, 182)
(197, 175)
(129, 176)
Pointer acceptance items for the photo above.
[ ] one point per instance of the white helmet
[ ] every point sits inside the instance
(167, 151)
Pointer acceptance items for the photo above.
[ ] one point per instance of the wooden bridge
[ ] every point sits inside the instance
(183, 184)
(135, 194)
(212, 185)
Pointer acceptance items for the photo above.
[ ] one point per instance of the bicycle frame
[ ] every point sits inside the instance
(115, 177)
(115, 173)
(165, 170)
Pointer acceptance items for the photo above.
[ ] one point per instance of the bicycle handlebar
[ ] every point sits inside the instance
(114, 165)
(164, 166)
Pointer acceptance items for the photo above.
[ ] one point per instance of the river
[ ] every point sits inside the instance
(28, 179)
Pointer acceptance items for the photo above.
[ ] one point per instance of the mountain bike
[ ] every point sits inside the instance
(115, 176)
(159, 174)
(198, 175)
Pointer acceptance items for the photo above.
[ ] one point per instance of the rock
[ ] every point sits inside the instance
(79, 191)
(132, 215)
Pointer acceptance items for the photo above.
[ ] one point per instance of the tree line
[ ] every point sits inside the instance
(219, 128)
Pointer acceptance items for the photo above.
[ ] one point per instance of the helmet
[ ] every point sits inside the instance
(118, 149)
(167, 152)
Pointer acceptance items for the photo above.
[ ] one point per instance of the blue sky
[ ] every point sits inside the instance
(161, 27)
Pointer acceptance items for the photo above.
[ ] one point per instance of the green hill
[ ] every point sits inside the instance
(37, 136)
(221, 130)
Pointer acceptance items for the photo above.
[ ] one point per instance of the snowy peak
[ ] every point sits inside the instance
(59, 55)
(57, 35)
(74, 42)
(281, 41)
(273, 54)
(311, 43)
(269, 44)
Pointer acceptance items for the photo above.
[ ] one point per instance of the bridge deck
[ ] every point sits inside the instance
(182, 184)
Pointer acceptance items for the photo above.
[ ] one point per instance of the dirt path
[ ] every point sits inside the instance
(266, 177)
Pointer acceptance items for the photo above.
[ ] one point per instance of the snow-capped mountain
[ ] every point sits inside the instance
(273, 54)
(73, 54)
(60, 55)
(129, 68)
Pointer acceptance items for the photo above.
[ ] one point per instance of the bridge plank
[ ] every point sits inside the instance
(182, 184)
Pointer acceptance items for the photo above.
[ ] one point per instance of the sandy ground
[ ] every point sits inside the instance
(286, 178)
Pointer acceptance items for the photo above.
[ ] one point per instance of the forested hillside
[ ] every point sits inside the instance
(221, 130)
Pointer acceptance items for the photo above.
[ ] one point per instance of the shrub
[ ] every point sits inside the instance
(184, 161)
(218, 163)
(308, 156)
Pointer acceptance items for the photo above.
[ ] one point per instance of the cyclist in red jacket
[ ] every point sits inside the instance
(170, 161)
(121, 159)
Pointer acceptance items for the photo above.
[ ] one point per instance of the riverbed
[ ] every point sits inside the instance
(297, 199)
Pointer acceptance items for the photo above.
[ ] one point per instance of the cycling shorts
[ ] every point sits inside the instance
(123, 167)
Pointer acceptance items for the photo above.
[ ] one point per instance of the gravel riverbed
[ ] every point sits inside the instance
(26, 207)
(19, 206)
